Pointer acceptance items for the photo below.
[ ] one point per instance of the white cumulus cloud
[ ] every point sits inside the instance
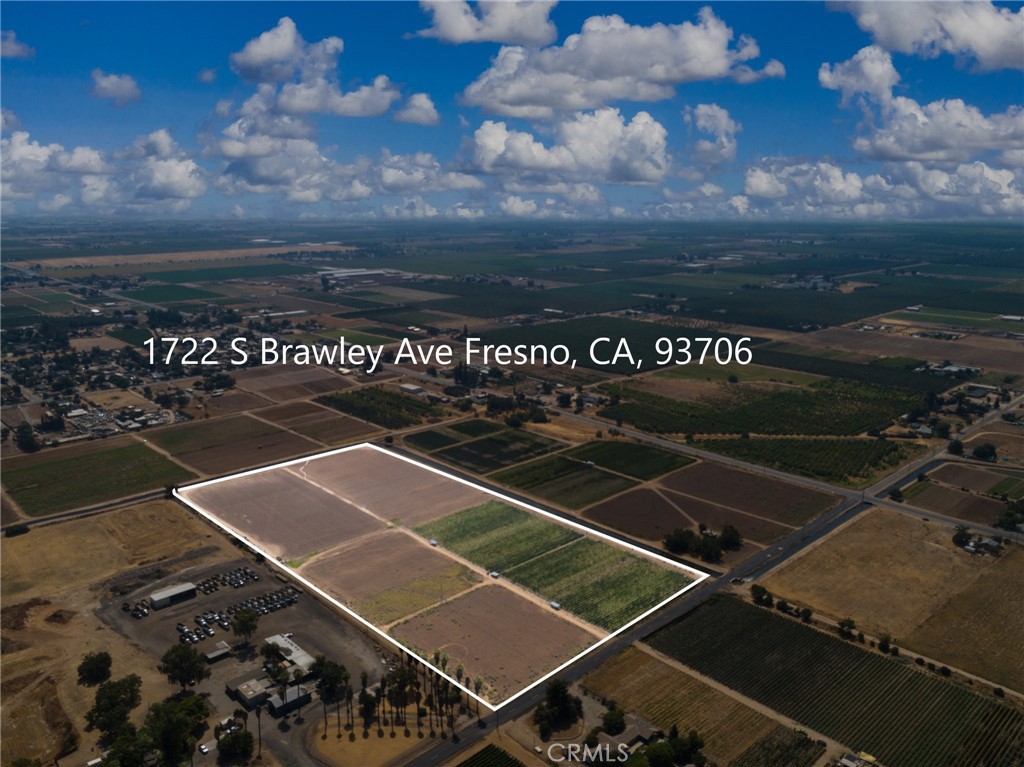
(524, 22)
(419, 110)
(13, 48)
(121, 89)
(714, 120)
(610, 60)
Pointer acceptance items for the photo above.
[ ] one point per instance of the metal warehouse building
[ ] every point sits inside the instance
(172, 595)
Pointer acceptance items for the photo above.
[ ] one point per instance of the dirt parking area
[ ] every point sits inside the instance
(493, 632)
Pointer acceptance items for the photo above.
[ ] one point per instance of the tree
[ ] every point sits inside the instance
(985, 452)
(614, 720)
(681, 541)
(94, 668)
(130, 748)
(955, 447)
(114, 702)
(660, 754)
(245, 623)
(235, 747)
(710, 548)
(173, 725)
(729, 538)
(558, 710)
(846, 627)
(896, 494)
(962, 536)
(805, 614)
(183, 665)
(25, 438)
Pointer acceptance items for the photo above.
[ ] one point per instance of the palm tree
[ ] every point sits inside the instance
(241, 713)
(297, 675)
(478, 685)
(259, 727)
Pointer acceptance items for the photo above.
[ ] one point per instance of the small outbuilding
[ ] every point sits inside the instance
(172, 595)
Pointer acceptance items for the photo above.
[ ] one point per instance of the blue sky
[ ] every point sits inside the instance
(446, 109)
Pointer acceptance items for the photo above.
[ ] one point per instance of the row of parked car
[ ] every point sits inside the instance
(139, 610)
(269, 602)
(236, 578)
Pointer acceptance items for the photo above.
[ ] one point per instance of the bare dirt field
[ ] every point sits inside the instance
(12, 417)
(280, 382)
(888, 571)
(956, 503)
(185, 257)
(666, 696)
(265, 449)
(400, 491)
(286, 516)
(229, 403)
(715, 517)
(319, 423)
(642, 513)
(989, 353)
(387, 576)
(765, 497)
(284, 414)
(115, 399)
(973, 478)
(62, 570)
(106, 343)
(495, 633)
(979, 628)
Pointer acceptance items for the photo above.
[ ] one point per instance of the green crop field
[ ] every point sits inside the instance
(573, 484)
(830, 407)
(496, 451)
(491, 756)
(497, 536)
(634, 459)
(433, 439)
(834, 460)
(162, 294)
(1010, 487)
(385, 407)
(93, 477)
(217, 273)
(200, 435)
(744, 373)
(132, 336)
(353, 336)
(599, 582)
(889, 708)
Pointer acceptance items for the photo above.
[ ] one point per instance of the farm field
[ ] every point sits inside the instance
(764, 496)
(1008, 441)
(231, 402)
(316, 422)
(743, 373)
(641, 513)
(161, 294)
(978, 628)
(31, 483)
(571, 483)
(946, 500)
(832, 407)
(386, 407)
(665, 696)
(497, 634)
(913, 565)
(497, 536)
(226, 444)
(601, 583)
(852, 462)
(495, 451)
(843, 691)
(387, 576)
(131, 336)
(636, 460)
(981, 480)
(451, 434)
(280, 383)
(782, 747)
(491, 756)
(715, 517)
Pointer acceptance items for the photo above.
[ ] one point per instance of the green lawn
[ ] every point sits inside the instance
(68, 483)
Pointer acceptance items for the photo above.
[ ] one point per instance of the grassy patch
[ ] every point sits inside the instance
(476, 427)
(636, 460)
(68, 483)
(132, 336)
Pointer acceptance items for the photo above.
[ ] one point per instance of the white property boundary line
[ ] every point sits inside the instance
(698, 576)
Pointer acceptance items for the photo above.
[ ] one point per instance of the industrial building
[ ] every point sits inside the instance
(172, 595)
